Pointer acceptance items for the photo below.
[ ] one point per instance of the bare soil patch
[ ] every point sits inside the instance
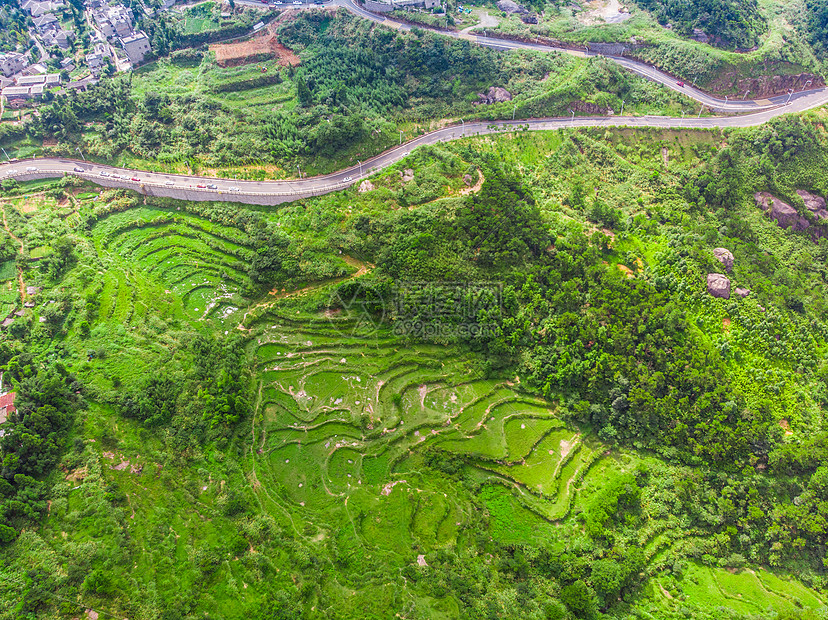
(604, 12)
(256, 49)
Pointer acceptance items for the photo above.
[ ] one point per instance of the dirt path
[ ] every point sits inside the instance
(362, 269)
(19, 268)
(476, 187)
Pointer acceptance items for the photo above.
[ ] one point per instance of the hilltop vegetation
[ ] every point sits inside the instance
(730, 23)
(817, 26)
(492, 385)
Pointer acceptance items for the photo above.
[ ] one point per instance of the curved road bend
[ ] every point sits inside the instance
(647, 71)
(642, 69)
(190, 187)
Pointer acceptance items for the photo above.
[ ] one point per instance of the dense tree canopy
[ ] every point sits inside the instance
(729, 23)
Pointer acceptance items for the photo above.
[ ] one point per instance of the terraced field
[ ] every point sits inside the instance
(177, 256)
(746, 591)
(343, 426)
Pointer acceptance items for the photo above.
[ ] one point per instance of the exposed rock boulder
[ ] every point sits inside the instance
(530, 18)
(467, 179)
(365, 186)
(718, 285)
(783, 213)
(815, 204)
(742, 292)
(725, 257)
(700, 36)
(587, 107)
(495, 94)
(407, 175)
(509, 6)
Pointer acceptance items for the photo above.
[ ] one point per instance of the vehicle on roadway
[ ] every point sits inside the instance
(297, 2)
(201, 186)
(233, 189)
(135, 179)
(680, 84)
(31, 169)
(212, 186)
(170, 183)
(104, 173)
(79, 169)
(346, 179)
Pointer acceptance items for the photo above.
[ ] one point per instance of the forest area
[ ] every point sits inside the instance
(730, 23)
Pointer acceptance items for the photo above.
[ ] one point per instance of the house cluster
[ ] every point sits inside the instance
(48, 26)
(117, 23)
(30, 87)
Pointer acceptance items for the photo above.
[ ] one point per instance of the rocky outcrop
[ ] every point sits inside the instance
(766, 85)
(509, 6)
(781, 212)
(718, 285)
(700, 36)
(742, 292)
(529, 18)
(587, 107)
(815, 204)
(495, 94)
(725, 257)
(365, 186)
(788, 217)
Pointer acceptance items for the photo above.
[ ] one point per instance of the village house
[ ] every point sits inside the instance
(114, 21)
(36, 8)
(50, 80)
(136, 46)
(12, 62)
(46, 22)
(6, 405)
(95, 60)
(61, 38)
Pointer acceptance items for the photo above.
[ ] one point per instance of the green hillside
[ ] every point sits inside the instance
(492, 384)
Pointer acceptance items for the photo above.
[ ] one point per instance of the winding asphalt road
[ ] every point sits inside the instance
(192, 187)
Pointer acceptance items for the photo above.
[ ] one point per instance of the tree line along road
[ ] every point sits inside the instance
(192, 187)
